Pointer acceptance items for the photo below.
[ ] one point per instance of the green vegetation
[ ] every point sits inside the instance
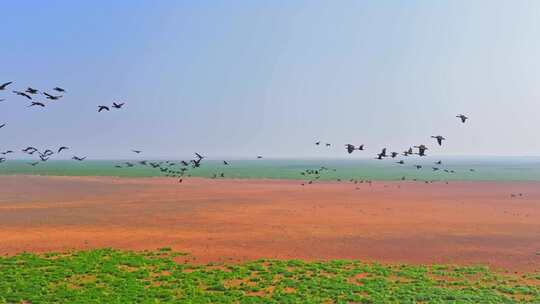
(497, 169)
(111, 276)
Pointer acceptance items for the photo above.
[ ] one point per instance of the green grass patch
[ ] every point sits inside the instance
(112, 276)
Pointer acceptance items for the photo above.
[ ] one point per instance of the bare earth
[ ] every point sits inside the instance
(232, 220)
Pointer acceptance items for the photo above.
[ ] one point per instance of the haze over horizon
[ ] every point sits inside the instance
(237, 79)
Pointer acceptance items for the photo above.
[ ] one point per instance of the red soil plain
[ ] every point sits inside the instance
(236, 220)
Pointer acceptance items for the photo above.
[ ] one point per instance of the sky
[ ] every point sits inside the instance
(244, 78)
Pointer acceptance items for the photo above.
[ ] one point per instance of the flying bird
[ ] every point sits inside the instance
(350, 148)
(35, 103)
(62, 149)
(52, 97)
(102, 108)
(57, 89)
(2, 125)
(462, 117)
(226, 163)
(2, 159)
(22, 94)
(196, 162)
(408, 152)
(394, 154)
(136, 151)
(401, 162)
(438, 162)
(421, 150)
(439, 139)
(318, 143)
(259, 157)
(382, 154)
(118, 105)
(3, 86)
(78, 158)
(31, 91)
(47, 152)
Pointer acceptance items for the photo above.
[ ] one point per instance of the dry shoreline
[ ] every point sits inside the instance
(242, 219)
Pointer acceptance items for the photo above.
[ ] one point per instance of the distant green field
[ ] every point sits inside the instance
(499, 169)
(110, 276)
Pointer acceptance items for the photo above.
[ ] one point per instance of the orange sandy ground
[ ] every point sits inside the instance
(234, 220)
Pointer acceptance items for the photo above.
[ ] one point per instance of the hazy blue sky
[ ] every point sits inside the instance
(241, 78)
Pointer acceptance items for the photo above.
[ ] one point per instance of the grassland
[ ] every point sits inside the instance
(490, 169)
(111, 276)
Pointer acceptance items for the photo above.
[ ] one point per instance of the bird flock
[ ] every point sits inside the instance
(179, 169)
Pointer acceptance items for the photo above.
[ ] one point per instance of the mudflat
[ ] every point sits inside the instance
(234, 220)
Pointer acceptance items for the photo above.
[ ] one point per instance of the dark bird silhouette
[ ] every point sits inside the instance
(6, 152)
(4, 85)
(29, 150)
(78, 158)
(35, 103)
(33, 164)
(421, 150)
(58, 89)
(328, 145)
(225, 163)
(2, 100)
(62, 149)
(318, 143)
(2, 125)
(103, 108)
(196, 162)
(418, 166)
(462, 117)
(401, 162)
(439, 139)
(259, 157)
(199, 156)
(361, 147)
(31, 91)
(382, 154)
(408, 152)
(2, 159)
(438, 163)
(23, 94)
(118, 105)
(47, 152)
(184, 163)
(136, 151)
(394, 154)
(43, 158)
(350, 148)
(52, 97)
